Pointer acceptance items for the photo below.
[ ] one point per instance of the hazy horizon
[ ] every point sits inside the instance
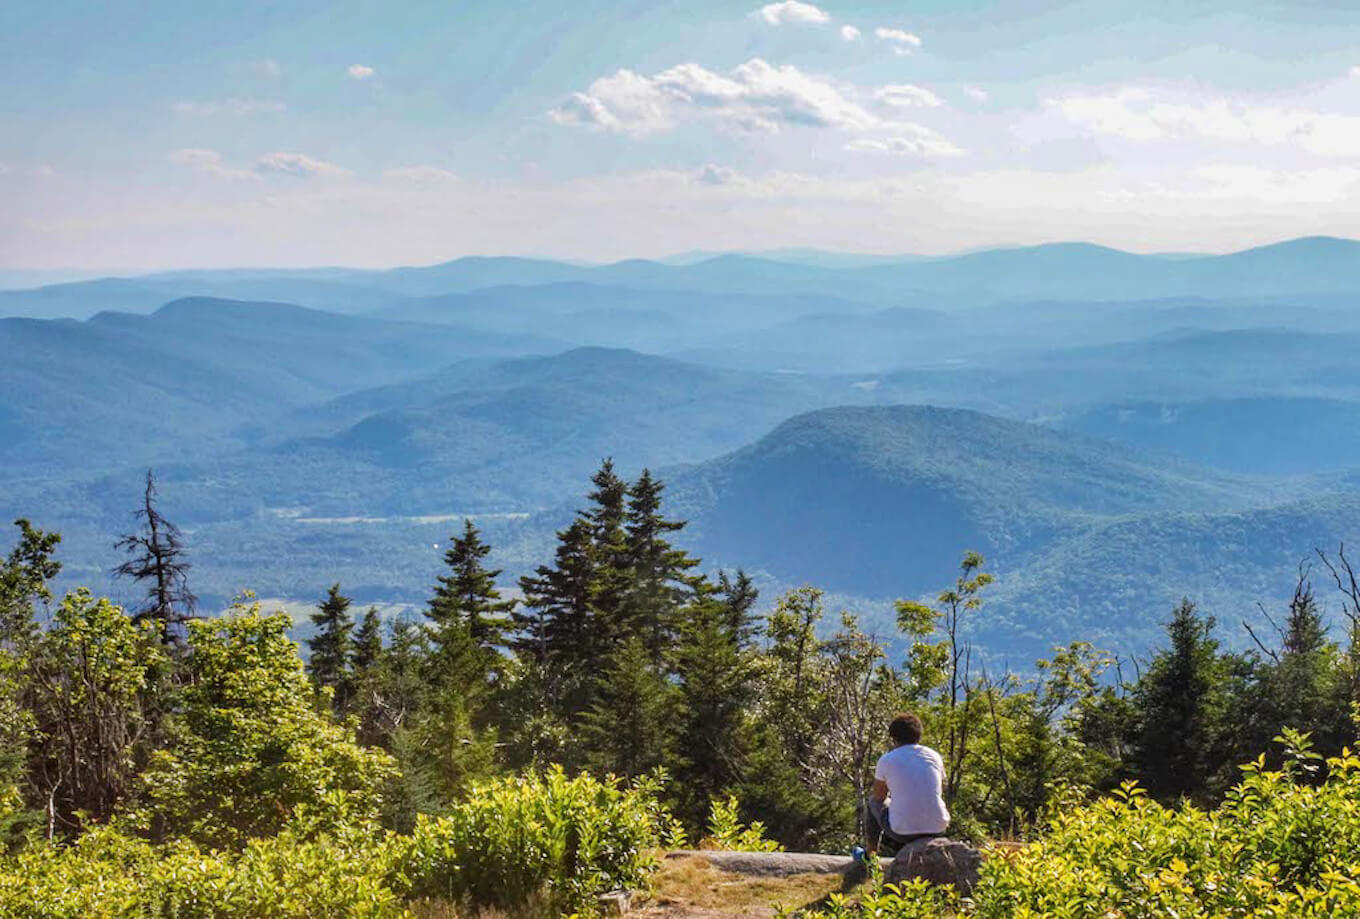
(22, 278)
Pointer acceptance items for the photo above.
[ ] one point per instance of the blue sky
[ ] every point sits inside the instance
(159, 134)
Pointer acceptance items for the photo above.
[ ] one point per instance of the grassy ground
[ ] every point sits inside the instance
(691, 888)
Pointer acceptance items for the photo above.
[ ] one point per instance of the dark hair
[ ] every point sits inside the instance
(905, 728)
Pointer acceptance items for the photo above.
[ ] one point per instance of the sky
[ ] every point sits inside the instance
(170, 134)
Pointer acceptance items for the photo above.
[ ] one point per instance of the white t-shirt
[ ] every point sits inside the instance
(915, 778)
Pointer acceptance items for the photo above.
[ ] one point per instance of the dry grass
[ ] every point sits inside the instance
(691, 888)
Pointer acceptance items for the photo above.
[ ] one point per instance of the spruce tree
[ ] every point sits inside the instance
(330, 661)
(1181, 701)
(739, 597)
(1302, 687)
(368, 644)
(558, 636)
(629, 728)
(714, 674)
(23, 583)
(367, 663)
(158, 560)
(611, 577)
(660, 582)
(468, 594)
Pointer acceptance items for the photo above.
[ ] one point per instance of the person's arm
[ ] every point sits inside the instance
(880, 791)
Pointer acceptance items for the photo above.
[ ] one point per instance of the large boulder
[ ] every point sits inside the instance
(939, 861)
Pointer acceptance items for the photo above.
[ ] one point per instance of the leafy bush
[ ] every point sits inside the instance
(252, 751)
(1283, 844)
(515, 839)
(548, 840)
(109, 874)
(1280, 845)
(725, 830)
(915, 899)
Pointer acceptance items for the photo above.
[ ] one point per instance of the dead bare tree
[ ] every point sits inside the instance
(158, 560)
(1348, 583)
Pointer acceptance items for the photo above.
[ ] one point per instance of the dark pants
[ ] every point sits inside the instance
(878, 832)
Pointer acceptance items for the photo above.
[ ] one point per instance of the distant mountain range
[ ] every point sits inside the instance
(1061, 271)
(1112, 430)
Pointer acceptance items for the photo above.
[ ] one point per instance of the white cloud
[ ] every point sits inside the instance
(717, 175)
(754, 97)
(850, 33)
(905, 95)
(976, 93)
(360, 71)
(210, 162)
(1354, 72)
(232, 106)
(909, 140)
(792, 11)
(3, 169)
(43, 171)
(903, 42)
(420, 175)
(296, 164)
(1143, 115)
(267, 67)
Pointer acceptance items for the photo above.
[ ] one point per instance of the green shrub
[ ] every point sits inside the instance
(108, 875)
(250, 750)
(726, 831)
(1283, 844)
(512, 840)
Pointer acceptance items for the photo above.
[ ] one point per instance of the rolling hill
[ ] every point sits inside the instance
(883, 500)
(196, 375)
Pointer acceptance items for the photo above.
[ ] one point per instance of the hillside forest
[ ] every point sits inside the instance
(162, 763)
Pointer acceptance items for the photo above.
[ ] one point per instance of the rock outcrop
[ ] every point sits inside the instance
(938, 861)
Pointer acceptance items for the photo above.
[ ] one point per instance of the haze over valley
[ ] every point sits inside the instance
(1111, 430)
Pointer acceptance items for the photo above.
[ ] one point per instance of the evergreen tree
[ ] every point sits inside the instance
(330, 663)
(611, 575)
(368, 646)
(367, 669)
(468, 594)
(158, 558)
(1302, 686)
(559, 636)
(401, 678)
(1181, 701)
(467, 623)
(629, 729)
(658, 574)
(739, 597)
(715, 675)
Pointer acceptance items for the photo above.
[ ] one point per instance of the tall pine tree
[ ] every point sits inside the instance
(630, 726)
(714, 674)
(330, 662)
(660, 579)
(367, 667)
(1181, 701)
(468, 594)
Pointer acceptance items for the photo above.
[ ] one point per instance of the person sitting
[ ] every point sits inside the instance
(906, 803)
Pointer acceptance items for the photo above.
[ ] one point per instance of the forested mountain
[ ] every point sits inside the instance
(197, 376)
(879, 500)
(1114, 400)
